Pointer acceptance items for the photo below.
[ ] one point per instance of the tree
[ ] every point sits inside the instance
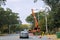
(7, 17)
(1, 16)
(55, 7)
(2, 2)
(51, 2)
(53, 19)
(11, 17)
(41, 21)
(24, 26)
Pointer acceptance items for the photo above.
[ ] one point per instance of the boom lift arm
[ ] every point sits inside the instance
(36, 29)
(36, 22)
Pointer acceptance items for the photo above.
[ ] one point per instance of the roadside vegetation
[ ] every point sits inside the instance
(11, 23)
(53, 19)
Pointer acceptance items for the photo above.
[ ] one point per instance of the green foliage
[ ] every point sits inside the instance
(2, 2)
(35, 1)
(41, 21)
(24, 26)
(54, 15)
(51, 2)
(54, 21)
(57, 18)
(7, 17)
(30, 19)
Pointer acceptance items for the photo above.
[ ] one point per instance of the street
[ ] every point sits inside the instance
(16, 37)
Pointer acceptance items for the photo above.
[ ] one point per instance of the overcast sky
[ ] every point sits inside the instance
(23, 7)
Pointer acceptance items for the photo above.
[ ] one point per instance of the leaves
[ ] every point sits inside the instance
(35, 1)
(40, 16)
(54, 22)
(2, 2)
(8, 18)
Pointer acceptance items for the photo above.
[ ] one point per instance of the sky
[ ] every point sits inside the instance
(23, 7)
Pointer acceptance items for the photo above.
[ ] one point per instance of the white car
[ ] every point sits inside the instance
(24, 34)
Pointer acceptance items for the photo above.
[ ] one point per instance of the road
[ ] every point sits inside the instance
(16, 37)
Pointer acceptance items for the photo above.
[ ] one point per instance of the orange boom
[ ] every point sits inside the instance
(36, 23)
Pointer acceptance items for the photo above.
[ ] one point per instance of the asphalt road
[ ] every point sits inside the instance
(16, 37)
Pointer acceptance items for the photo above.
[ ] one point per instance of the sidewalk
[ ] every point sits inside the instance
(54, 37)
(3, 34)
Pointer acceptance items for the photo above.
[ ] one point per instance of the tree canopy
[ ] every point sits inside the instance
(41, 20)
(9, 18)
(55, 7)
(2, 2)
